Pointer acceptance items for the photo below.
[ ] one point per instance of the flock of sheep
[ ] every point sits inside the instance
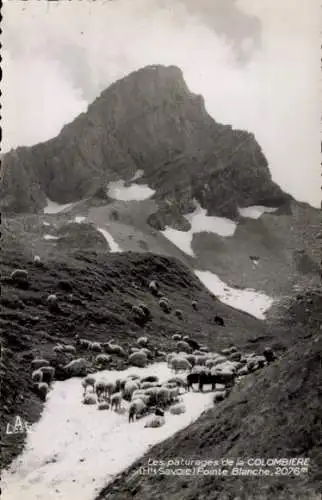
(147, 395)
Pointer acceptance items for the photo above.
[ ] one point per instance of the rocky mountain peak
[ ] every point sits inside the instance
(149, 121)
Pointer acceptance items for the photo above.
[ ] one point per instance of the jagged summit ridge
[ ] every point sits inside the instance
(150, 121)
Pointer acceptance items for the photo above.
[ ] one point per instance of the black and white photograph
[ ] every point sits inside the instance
(161, 250)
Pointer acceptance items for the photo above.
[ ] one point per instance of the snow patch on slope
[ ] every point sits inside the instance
(135, 192)
(50, 237)
(54, 208)
(255, 211)
(110, 240)
(75, 450)
(200, 222)
(247, 300)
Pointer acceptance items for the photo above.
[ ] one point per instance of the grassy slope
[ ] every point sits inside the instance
(275, 413)
(104, 288)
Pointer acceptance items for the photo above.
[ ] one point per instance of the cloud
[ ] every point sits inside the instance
(76, 49)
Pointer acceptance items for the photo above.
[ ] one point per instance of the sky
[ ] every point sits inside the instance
(256, 62)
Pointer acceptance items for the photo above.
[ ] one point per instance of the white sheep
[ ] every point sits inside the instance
(170, 357)
(37, 260)
(116, 400)
(201, 360)
(204, 348)
(43, 389)
(76, 367)
(89, 399)
(102, 359)
(178, 363)
(52, 302)
(182, 345)
(176, 336)
(89, 381)
(96, 347)
(100, 389)
(39, 363)
(58, 348)
(48, 372)
(69, 348)
(19, 275)
(138, 359)
(142, 341)
(37, 376)
(129, 388)
(134, 349)
(156, 421)
(103, 405)
(177, 409)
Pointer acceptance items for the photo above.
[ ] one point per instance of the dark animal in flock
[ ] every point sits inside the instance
(159, 412)
(219, 321)
(193, 344)
(132, 413)
(204, 378)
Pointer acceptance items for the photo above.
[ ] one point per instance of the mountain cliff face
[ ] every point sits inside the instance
(147, 121)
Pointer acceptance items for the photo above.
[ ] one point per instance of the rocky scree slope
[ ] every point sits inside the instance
(273, 414)
(147, 121)
(96, 292)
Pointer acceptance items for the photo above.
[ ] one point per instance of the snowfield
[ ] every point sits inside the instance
(247, 300)
(75, 450)
(200, 222)
(79, 219)
(135, 192)
(50, 237)
(110, 240)
(54, 208)
(255, 211)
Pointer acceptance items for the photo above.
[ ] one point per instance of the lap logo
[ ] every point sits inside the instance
(20, 426)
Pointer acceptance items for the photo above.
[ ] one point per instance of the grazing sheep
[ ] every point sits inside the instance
(225, 352)
(163, 396)
(138, 359)
(204, 348)
(147, 385)
(156, 421)
(219, 321)
(19, 276)
(89, 399)
(176, 336)
(179, 314)
(154, 287)
(129, 387)
(37, 376)
(89, 381)
(140, 314)
(69, 348)
(142, 341)
(194, 304)
(110, 388)
(165, 305)
(193, 344)
(242, 372)
(191, 358)
(116, 400)
(148, 352)
(183, 346)
(201, 360)
(52, 302)
(76, 368)
(42, 389)
(84, 343)
(210, 363)
(199, 369)
(100, 389)
(136, 407)
(170, 357)
(269, 354)
(48, 373)
(145, 309)
(37, 260)
(39, 363)
(134, 349)
(177, 409)
(173, 393)
(235, 356)
(103, 405)
(96, 347)
(58, 348)
(232, 349)
(102, 359)
(178, 363)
